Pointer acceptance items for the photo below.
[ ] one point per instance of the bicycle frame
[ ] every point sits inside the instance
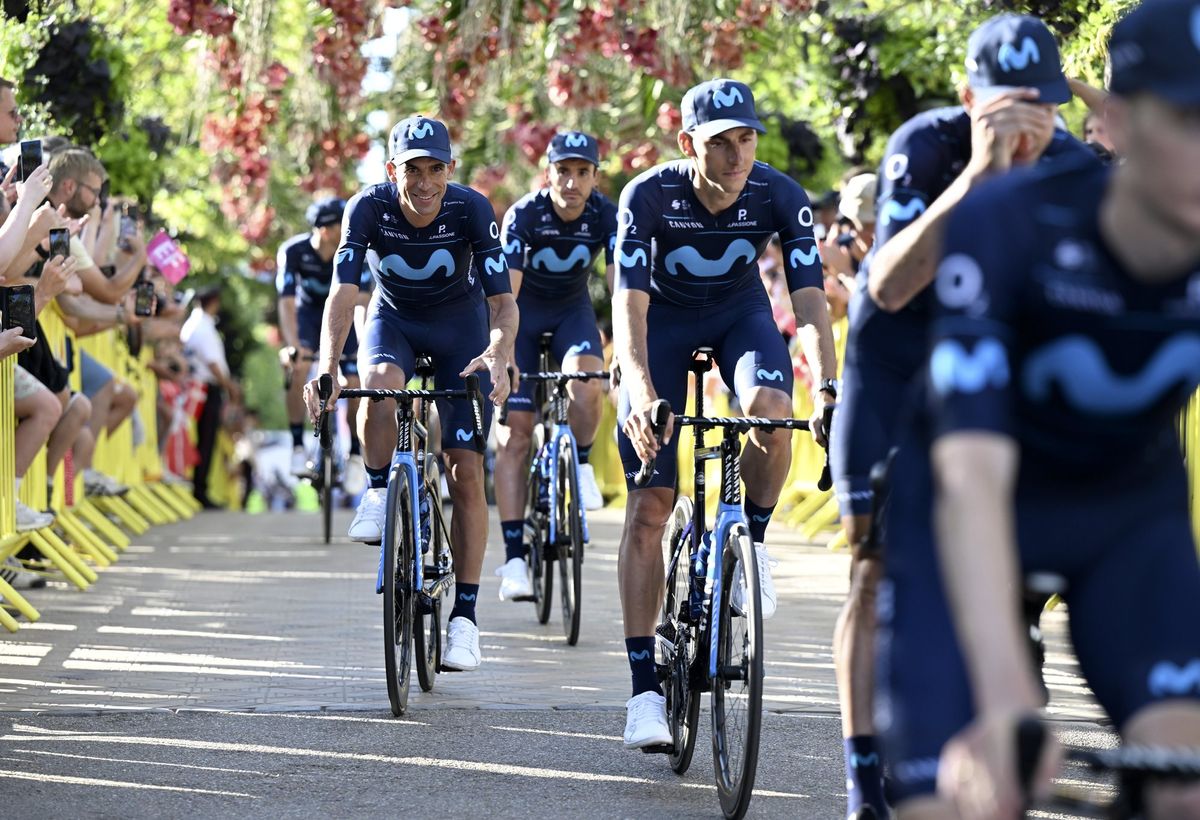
(558, 435)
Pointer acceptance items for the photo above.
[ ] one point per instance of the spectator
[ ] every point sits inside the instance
(206, 352)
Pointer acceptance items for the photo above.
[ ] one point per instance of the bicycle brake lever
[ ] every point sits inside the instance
(825, 482)
(658, 423)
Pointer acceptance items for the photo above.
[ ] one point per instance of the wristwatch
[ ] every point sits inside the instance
(830, 386)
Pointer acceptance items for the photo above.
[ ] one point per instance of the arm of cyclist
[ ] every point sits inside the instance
(629, 338)
(335, 327)
(816, 340)
(910, 229)
(287, 322)
(498, 355)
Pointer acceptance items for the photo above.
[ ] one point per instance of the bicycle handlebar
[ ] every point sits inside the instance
(470, 392)
(550, 376)
(660, 413)
(743, 424)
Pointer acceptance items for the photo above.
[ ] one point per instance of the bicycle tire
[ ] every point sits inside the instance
(398, 599)
(427, 634)
(542, 560)
(327, 489)
(570, 541)
(683, 702)
(737, 717)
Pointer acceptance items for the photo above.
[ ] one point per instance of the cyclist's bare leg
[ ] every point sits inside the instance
(296, 411)
(854, 635)
(377, 419)
(586, 399)
(512, 464)
(768, 453)
(469, 524)
(353, 382)
(640, 563)
(1168, 724)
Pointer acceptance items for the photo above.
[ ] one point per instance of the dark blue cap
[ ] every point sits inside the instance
(419, 137)
(574, 145)
(718, 105)
(1016, 51)
(1156, 49)
(325, 212)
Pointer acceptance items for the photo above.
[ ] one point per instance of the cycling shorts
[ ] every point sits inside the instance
(573, 324)
(308, 328)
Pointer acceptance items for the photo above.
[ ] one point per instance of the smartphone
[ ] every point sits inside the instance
(128, 226)
(102, 197)
(144, 302)
(18, 310)
(31, 157)
(60, 243)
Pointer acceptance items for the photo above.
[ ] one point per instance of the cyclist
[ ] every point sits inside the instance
(1006, 118)
(1066, 340)
(305, 272)
(441, 290)
(689, 234)
(552, 238)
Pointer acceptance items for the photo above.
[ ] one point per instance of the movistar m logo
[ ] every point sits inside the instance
(514, 246)
(466, 596)
(760, 519)
(639, 656)
(345, 255)
(463, 435)
(1011, 58)
(638, 257)
(858, 761)
(801, 258)
(693, 262)
(491, 265)
(420, 130)
(893, 210)
(1079, 368)
(727, 99)
(953, 369)
(769, 375)
(512, 533)
(396, 265)
(1167, 679)
(575, 140)
(547, 259)
(575, 350)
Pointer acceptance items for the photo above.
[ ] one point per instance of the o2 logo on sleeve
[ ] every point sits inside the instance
(494, 230)
(625, 218)
(805, 217)
(896, 166)
(959, 282)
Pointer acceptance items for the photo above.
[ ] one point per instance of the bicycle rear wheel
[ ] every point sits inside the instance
(326, 473)
(570, 540)
(683, 702)
(398, 599)
(737, 689)
(427, 633)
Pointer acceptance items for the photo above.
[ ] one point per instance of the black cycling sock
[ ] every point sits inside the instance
(355, 447)
(464, 601)
(514, 539)
(585, 451)
(297, 434)
(864, 774)
(377, 477)
(759, 517)
(641, 664)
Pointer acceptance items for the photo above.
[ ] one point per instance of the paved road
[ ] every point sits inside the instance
(232, 666)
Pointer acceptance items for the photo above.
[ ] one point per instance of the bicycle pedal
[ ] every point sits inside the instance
(424, 603)
(659, 749)
(663, 672)
(444, 668)
(532, 598)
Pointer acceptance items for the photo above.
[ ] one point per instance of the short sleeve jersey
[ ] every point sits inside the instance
(420, 268)
(302, 272)
(670, 245)
(556, 257)
(1041, 334)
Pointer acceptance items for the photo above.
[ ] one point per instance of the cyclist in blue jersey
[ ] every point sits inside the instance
(1065, 341)
(552, 239)
(1015, 84)
(442, 290)
(305, 272)
(689, 234)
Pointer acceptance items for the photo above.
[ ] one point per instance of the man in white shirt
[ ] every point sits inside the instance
(206, 351)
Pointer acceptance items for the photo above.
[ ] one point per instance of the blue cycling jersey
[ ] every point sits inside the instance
(670, 245)
(302, 272)
(424, 267)
(555, 257)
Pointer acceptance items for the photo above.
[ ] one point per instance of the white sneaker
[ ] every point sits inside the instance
(300, 466)
(14, 573)
(646, 721)
(514, 583)
(367, 526)
(97, 483)
(766, 586)
(29, 519)
(589, 492)
(354, 477)
(462, 645)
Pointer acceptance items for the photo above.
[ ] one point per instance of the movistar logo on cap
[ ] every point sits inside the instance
(1011, 58)
(575, 141)
(727, 99)
(420, 130)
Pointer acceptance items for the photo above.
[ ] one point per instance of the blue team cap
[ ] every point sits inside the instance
(1156, 49)
(419, 137)
(718, 105)
(574, 145)
(325, 212)
(1016, 51)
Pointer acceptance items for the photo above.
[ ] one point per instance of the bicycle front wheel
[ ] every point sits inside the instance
(570, 540)
(398, 554)
(737, 688)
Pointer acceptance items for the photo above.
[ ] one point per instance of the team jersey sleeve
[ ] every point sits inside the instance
(285, 277)
(911, 171)
(794, 218)
(977, 287)
(484, 236)
(637, 222)
(608, 226)
(359, 227)
(514, 237)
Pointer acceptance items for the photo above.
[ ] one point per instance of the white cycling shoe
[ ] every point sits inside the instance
(354, 477)
(589, 491)
(300, 466)
(367, 526)
(462, 645)
(646, 721)
(514, 579)
(766, 586)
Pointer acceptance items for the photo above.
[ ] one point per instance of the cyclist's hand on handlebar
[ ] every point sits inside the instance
(816, 422)
(313, 401)
(978, 770)
(640, 429)
(495, 361)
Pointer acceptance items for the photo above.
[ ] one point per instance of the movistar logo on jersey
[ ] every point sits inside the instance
(955, 370)
(514, 246)
(1167, 679)
(892, 211)
(464, 435)
(1079, 368)
(769, 375)
(575, 140)
(627, 260)
(575, 350)
(547, 259)
(727, 99)
(801, 258)
(693, 262)
(420, 130)
(1012, 58)
(345, 255)
(491, 266)
(396, 265)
